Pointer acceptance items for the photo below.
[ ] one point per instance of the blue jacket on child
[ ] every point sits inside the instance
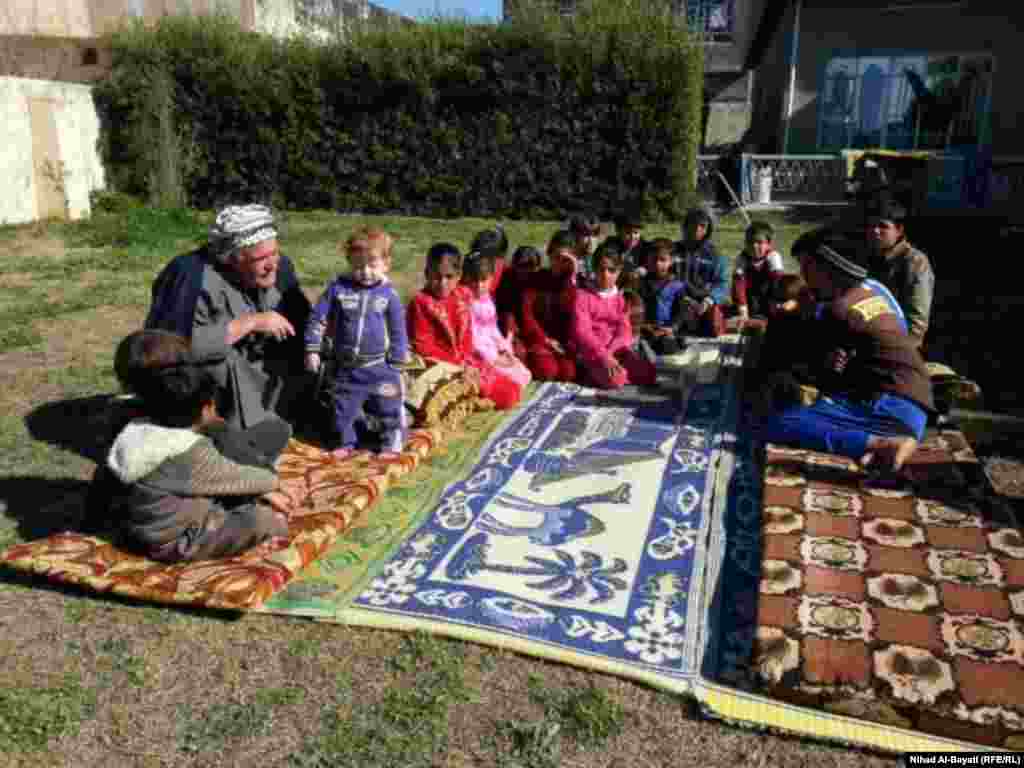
(704, 271)
(367, 323)
(662, 300)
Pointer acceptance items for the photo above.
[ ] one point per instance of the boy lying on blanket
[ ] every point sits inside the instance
(180, 483)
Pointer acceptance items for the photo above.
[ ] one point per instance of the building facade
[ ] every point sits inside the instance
(729, 29)
(893, 74)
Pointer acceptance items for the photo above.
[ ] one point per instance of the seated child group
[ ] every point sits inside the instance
(187, 487)
(598, 316)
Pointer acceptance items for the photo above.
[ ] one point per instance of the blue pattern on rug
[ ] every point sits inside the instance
(733, 584)
(583, 527)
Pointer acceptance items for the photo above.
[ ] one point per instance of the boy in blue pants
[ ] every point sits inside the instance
(365, 317)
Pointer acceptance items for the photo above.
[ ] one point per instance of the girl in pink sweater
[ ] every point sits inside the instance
(488, 343)
(601, 330)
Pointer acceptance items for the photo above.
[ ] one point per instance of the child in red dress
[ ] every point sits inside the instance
(440, 326)
(547, 313)
(508, 300)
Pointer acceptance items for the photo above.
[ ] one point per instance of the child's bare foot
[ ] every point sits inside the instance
(888, 453)
(341, 454)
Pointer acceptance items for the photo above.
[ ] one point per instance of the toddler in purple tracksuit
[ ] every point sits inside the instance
(363, 314)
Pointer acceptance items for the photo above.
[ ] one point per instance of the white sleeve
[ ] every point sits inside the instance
(775, 262)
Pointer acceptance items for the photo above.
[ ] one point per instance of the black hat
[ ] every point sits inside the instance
(886, 208)
(841, 256)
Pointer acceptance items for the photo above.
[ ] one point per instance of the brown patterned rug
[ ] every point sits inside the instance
(901, 605)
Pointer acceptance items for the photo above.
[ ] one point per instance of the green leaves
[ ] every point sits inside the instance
(593, 110)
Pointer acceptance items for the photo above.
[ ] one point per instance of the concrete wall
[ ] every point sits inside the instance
(48, 157)
(829, 29)
(728, 109)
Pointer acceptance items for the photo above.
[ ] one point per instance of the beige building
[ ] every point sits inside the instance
(50, 53)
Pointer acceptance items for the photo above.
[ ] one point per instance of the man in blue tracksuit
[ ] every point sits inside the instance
(364, 316)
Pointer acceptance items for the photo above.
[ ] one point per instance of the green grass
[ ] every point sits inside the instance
(31, 717)
(209, 730)
(122, 663)
(304, 646)
(408, 726)
(588, 717)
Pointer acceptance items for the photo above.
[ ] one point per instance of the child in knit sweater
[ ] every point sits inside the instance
(601, 331)
(174, 495)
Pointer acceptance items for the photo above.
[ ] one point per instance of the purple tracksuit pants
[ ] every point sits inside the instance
(377, 388)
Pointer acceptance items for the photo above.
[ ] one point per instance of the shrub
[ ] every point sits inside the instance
(539, 116)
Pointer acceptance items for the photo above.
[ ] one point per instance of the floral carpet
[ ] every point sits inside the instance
(581, 534)
(321, 497)
(328, 584)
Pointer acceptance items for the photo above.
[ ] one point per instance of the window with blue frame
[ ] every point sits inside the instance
(906, 101)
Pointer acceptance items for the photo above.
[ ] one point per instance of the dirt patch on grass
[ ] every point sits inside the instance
(33, 241)
(158, 687)
(71, 339)
(16, 280)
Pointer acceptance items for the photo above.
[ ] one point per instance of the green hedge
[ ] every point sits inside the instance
(527, 119)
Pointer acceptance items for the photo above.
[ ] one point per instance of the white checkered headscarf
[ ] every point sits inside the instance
(241, 226)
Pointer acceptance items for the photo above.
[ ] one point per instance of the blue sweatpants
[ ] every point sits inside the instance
(378, 386)
(838, 425)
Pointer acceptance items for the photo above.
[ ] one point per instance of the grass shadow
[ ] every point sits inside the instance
(84, 425)
(40, 506)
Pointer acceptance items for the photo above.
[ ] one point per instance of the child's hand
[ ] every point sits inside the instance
(504, 360)
(662, 331)
(556, 346)
(472, 376)
(312, 362)
(744, 312)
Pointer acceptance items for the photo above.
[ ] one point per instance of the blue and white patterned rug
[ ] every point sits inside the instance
(582, 534)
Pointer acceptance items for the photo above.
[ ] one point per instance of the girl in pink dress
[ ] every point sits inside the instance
(601, 330)
(488, 343)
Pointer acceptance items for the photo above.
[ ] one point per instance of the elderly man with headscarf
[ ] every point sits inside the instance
(239, 296)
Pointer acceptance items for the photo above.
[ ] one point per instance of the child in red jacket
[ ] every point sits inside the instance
(758, 268)
(440, 326)
(547, 312)
(601, 331)
(508, 300)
